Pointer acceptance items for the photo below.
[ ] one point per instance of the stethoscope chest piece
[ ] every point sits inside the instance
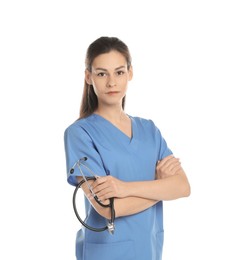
(111, 227)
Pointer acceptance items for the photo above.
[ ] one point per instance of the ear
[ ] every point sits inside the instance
(130, 73)
(88, 77)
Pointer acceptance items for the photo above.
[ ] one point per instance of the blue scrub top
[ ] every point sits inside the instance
(139, 236)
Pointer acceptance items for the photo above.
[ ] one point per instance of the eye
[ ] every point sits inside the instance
(120, 72)
(101, 74)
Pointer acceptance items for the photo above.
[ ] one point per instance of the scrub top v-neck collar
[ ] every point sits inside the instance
(119, 133)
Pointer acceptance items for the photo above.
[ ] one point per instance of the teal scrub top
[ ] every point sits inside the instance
(108, 149)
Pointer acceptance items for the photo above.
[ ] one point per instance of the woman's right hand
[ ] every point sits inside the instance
(167, 167)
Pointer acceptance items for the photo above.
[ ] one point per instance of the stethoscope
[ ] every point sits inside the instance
(110, 224)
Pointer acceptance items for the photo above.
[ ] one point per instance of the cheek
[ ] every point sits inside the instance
(98, 86)
(124, 83)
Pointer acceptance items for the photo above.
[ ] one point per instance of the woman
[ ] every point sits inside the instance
(143, 170)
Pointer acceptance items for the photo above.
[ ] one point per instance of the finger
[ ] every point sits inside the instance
(167, 163)
(107, 194)
(173, 164)
(177, 168)
(100, 187)
(168, 170)
(169, 157)
(164, 160)
(98, 182)
(171, 169)
(90, 196)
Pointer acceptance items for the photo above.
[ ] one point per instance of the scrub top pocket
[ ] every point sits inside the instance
(112, 251)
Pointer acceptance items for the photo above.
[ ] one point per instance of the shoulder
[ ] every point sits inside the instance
(77, 127)
(143, 122)
(147, 126)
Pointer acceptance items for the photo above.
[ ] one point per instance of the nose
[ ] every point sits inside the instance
(111, 82)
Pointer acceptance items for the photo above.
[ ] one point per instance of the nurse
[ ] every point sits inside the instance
(143, 170)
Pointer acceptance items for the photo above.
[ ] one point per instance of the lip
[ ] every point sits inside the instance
(112, 92)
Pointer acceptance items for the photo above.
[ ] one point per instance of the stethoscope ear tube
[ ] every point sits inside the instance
(110, 225)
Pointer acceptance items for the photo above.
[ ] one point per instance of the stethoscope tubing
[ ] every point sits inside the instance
(110, 227)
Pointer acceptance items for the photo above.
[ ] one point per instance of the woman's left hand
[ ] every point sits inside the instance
(109, 187)
(167, 167)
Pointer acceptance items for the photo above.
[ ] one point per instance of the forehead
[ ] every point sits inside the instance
(110, 60)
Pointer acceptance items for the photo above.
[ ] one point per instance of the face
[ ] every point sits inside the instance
(109, 77)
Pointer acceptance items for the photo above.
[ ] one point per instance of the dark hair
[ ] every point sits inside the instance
(100, 46)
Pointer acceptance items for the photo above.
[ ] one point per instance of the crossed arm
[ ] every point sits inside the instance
(133, 197)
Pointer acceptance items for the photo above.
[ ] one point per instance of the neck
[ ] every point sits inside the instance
(116, 114)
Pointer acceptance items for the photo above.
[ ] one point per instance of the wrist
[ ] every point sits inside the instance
(127, 189)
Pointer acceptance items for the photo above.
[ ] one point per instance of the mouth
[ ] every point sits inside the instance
(112, 92)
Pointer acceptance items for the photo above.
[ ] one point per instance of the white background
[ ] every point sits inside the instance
(186, 62)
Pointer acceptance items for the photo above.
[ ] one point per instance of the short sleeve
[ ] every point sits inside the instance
(78, 144)
(164, 150)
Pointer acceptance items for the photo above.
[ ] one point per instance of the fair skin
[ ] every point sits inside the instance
(110, 77)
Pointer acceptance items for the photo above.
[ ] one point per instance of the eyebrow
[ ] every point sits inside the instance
(121, 67)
